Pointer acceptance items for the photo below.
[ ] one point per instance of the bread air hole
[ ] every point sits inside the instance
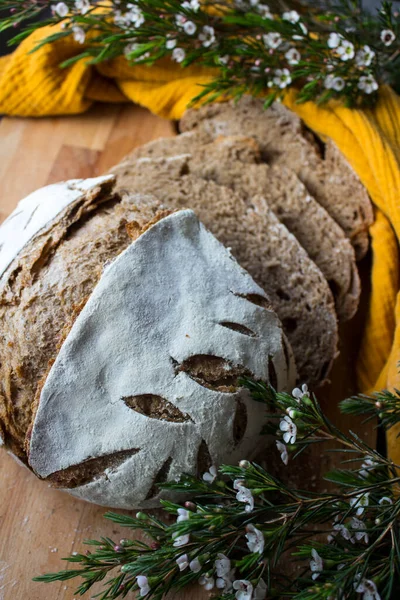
(282, 294)
(156, 407)
(214, 372)
(289, 324)
(89, 470)
(239, 328)
(184, 170)
(161, 477)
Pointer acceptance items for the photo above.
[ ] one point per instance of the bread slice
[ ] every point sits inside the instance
(184, 143)
(278, 188)
(284, 140)
(296, 287)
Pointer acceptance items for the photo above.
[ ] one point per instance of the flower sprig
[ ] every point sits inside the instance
(325, 50)
(236, 533)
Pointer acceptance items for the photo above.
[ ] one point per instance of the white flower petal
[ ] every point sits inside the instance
(286, 423)
(283, 451)
(238, 483)
(83, 6)
(293, 57)
(245, 495)
(385, 500)
(387, 37)
(222, 565)
(272, 40)
(211, 474)
(334, 40)
(260, 592)
(79, 34)
(255, 539)
(316, 564)
(195, 565)
(60, 9)
(207, 582)
(292, 16)
(180, 540)
(170, 44)
(244, 589)
(345, 50)
(207, 36)
(143, 584)
(182, 562)
(189, 27)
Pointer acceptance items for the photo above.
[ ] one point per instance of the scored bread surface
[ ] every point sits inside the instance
(173, 297)
(296, 287)
(284, 140)
(45, 290)
(223, 161)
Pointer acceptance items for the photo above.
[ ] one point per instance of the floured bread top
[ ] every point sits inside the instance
(36, 211)
(145, 384)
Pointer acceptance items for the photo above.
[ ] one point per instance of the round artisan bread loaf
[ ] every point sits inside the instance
(125, 330)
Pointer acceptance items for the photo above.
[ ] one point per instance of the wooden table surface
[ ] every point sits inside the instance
(39, 525)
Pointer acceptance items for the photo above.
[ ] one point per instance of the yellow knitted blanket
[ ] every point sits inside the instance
(34, 85)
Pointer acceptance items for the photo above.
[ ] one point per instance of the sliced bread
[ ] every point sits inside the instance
(284, 140)
(296, 287)
(276, 187)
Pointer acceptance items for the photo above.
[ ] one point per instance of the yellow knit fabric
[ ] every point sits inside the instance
(34, 85)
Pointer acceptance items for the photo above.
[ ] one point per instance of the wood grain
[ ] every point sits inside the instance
(39, 525)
